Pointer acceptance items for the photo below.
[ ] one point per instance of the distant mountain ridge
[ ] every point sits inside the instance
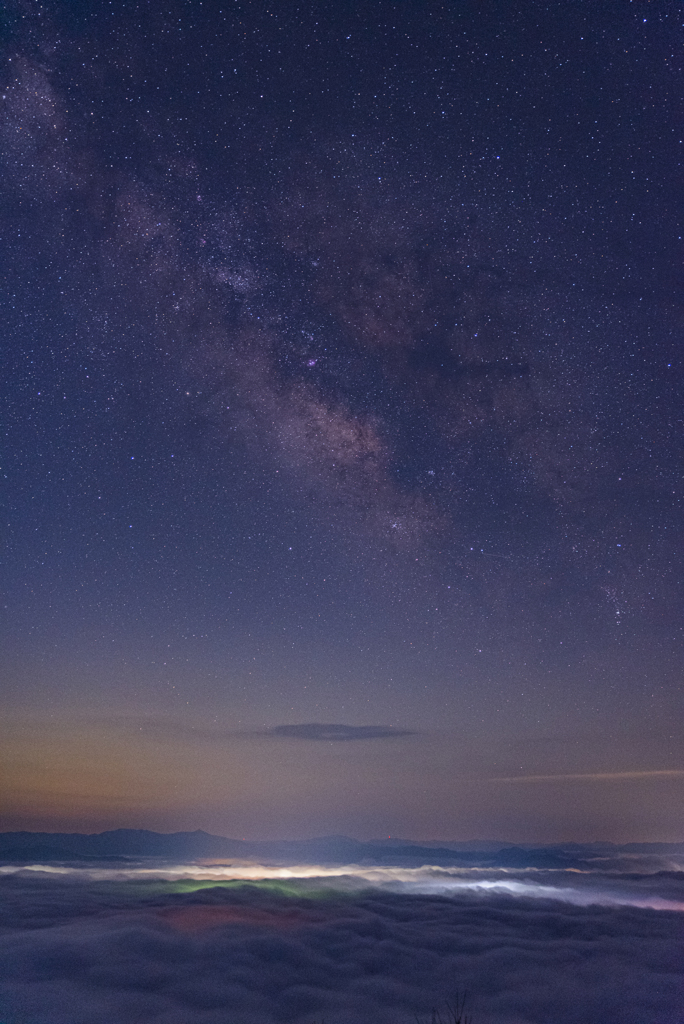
(25, 847)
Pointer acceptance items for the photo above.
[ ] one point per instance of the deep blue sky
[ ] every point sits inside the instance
(343, 359)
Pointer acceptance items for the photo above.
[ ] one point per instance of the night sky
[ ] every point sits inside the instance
(342, 418)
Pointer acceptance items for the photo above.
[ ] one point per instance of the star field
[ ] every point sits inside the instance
(343, 369)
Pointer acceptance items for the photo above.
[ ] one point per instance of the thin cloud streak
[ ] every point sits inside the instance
(672, 773)
(327, 731)
(337, 733)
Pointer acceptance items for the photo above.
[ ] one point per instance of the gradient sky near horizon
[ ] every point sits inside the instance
(342, 356)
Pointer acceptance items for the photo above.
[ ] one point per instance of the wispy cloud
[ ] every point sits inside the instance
(320, 731)
(595, 776)
(163, 728)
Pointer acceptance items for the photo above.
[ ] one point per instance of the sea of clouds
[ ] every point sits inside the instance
(243, 942)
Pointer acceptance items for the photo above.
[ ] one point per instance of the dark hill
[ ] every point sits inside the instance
(26, 847)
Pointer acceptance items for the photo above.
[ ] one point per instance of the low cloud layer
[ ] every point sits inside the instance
(191, 951)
